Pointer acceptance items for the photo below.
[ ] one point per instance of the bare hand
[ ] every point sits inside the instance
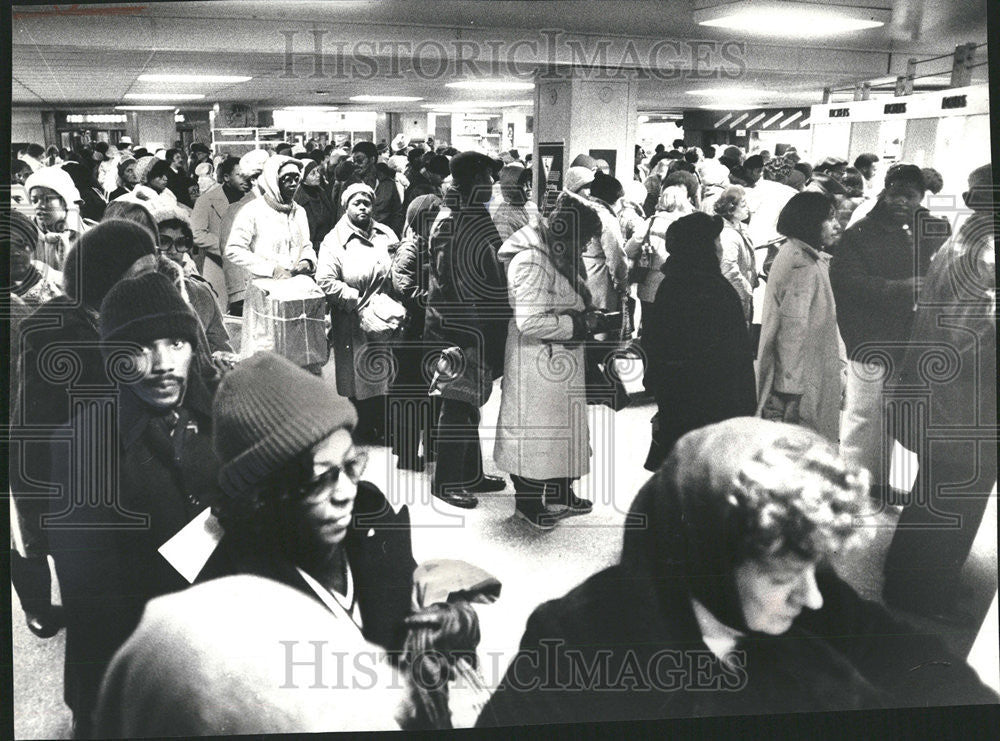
(280, 272)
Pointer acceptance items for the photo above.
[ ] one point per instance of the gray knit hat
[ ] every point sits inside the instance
(266, 412)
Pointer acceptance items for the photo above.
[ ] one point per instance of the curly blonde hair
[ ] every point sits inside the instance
(799, 498)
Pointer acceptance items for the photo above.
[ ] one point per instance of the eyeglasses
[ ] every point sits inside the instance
(354, 466)
(289, 177)
(181, 244)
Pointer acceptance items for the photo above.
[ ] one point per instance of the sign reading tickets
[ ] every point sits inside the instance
(551, 158)
(286, 316)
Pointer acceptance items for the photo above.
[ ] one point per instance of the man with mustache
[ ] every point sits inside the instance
(106, 552)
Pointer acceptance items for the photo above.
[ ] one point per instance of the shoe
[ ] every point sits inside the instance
(47, 623)
(488, 484)
(462, 499)
(408, 463)
(540, 518)
(579, 506)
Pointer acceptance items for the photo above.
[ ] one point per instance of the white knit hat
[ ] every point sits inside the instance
(354, 189)
(252, 163)
(55, 178)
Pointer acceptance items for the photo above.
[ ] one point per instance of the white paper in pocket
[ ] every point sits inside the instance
(190, 548)
(902, 468)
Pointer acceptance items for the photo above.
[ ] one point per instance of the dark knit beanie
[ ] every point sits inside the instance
(905, 175)
(266, 412)
(606, 188)
(145, 309)
(101, 257)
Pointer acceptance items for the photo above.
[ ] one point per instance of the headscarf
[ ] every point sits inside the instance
(268, 181)
(686, 524)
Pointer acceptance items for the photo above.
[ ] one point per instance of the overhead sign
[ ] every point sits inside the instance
(761, 119)
(965, 101)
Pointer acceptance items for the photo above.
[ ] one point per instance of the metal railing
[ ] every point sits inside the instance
(963, 62)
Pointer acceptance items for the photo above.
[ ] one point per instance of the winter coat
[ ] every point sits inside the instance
(739, 265)
(106, 573)
(626, 645)
(319, 211)
(380, 554)
(410, 277)
(607, 269)
(699, 362)
(419, 186)
(800, 350)
(236, 277)
(352, 267)
(656, 229)
(205, 304)
(263, 238)
(871, 279)
(467, 304)
(206, 226)
(957, 310)
(542, 430)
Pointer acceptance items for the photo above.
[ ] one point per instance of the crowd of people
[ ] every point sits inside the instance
(748, 285)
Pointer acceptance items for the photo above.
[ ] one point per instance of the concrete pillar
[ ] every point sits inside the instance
(154, 129)
(576, 115)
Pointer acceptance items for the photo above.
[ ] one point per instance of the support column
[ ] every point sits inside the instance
(156, 128)
(575, 115)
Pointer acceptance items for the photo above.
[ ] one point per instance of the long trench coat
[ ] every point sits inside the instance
(351, 268)
(800, 348)
(542, 430)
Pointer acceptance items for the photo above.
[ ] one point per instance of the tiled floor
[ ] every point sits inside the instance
(532, 566)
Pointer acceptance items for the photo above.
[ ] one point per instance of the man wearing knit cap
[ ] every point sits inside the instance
(64, 330)
(294, 506)
(876, 275)
(467, 314)
(166, 474)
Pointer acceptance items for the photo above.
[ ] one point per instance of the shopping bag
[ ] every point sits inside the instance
(286, 316)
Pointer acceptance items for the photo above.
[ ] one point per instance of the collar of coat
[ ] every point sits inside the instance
(135, 415)
(345, 231)
(810, 250)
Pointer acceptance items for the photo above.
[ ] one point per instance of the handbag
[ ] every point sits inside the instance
(639, 271)
(382, 317)
(604, 384)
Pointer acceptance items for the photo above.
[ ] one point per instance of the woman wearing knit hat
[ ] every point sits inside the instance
(270, 235)
(294, 506)
(354, 266)
(56, 201)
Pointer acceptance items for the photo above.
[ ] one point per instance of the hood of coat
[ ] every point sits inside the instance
(268, 181)
(526, 238)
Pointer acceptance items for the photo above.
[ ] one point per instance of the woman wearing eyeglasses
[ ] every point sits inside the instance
(270, 236)
(294, 506)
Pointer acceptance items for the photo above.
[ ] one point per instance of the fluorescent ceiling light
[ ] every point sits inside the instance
(307, 108)
(194, 78)
(491, 85)
(724, 107)
(145, 108)
(735, 92)
(384, 98)
(791, 19)
(163, 96)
